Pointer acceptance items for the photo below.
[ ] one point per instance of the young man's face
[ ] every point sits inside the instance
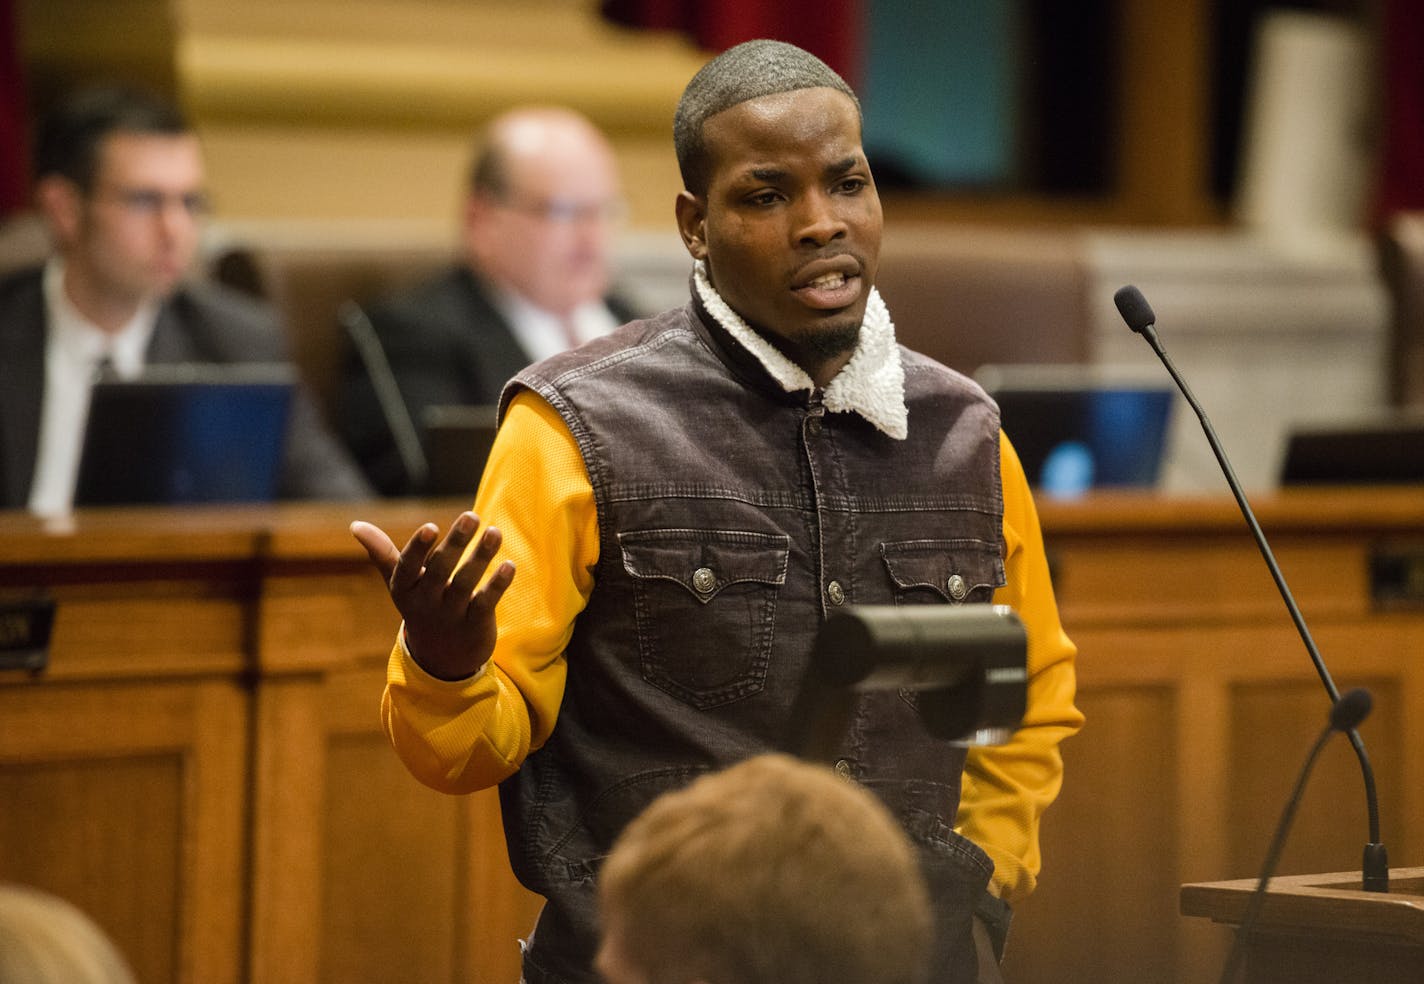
(790, 225)
(136, 231)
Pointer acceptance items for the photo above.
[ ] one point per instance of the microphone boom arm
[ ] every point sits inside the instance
(1376, 865)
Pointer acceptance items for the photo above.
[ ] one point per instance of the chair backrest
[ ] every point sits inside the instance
(1401, 245)
(24, 241)
(971, 296)
(308, 286)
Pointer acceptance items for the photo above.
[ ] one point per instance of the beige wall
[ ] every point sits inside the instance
(363, 110)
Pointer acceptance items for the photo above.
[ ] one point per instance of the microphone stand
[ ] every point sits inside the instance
(1376, 859)
(1347, 712)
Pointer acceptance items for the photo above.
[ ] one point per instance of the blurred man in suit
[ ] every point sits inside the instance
(120, 185)
(533, 279)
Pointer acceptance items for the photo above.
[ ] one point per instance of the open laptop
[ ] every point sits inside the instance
(1387, 448)
(458, 438)
(1080, 427)
(185, 434)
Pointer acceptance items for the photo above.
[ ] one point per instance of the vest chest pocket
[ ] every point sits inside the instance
(705, 605)
(933, 572)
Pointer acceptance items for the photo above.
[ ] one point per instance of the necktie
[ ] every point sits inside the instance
(104, 371)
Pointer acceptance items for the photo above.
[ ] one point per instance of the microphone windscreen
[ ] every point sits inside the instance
(1134, 308)
(1352, 708)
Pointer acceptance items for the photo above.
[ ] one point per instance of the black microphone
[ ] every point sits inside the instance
(1139, 317)
(388, 396)
(1345, 715)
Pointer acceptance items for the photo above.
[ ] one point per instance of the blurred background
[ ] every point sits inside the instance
(1136, 111)
(1242, 161)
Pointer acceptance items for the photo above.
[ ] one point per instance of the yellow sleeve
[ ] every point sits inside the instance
(459, 736)
(1007, 787)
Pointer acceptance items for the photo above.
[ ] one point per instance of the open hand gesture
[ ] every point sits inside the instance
(449, 614)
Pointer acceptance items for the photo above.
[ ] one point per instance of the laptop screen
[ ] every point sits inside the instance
(186, 434)
(1082, 427)
(1387, 448)
(458, 438)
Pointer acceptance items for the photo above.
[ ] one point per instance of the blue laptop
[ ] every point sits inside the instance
(1081, 427)
(186, 434)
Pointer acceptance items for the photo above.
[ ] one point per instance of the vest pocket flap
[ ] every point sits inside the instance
(706, 561)
(955, 570)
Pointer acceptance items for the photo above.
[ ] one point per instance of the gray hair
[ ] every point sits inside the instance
(747, 71)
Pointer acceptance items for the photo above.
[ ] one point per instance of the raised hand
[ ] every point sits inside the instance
(449, 614)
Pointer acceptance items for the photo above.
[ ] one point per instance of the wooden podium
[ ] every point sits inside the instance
(1323, 927)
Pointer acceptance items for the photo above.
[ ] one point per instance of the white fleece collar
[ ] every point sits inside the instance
(871, 384)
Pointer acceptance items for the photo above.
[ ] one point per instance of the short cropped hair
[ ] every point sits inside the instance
(489, 166)
(493, 162)
(69, 137)
(747, 71)
(774, 871)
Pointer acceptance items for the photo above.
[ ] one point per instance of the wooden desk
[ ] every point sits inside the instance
(1322, 929)
(1202, 704)
(201, 765)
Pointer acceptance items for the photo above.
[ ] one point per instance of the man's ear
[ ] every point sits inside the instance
(692, 223)
(61, 203)
(477, 223)
(478, 209)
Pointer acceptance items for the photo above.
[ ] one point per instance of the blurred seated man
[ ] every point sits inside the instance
(773, 871)
(533, 279)
(120, 185)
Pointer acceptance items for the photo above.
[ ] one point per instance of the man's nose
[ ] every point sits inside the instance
(819, 221)
(177, 217)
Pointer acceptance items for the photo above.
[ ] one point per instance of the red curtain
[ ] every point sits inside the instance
(1401, 176)
(14, 122)
(829, 29)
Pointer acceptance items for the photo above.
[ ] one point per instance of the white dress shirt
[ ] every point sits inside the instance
(542, 334)
(74, 350)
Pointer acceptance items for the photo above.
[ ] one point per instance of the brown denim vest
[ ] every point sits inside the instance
(733, 517)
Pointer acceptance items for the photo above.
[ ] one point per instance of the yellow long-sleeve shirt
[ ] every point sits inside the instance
(459, 736)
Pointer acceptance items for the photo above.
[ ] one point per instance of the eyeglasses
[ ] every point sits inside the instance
(559, 211)
(150, 202)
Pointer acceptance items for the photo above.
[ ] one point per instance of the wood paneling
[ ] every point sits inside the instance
(202, 765)
(127, 798)
(1201, 705)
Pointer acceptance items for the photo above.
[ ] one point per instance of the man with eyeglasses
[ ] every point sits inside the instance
(543, 203)
(119, 182)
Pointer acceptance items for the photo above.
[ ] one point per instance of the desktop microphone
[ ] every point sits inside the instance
(388, 397)
(1139, 317)
(1345, 715)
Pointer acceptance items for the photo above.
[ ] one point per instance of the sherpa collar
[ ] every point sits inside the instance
(871, 384)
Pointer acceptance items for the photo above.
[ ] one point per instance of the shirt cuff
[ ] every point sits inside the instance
(409, 657)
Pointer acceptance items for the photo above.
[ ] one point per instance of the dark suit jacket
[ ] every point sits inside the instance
(447, 344)
(199, 323)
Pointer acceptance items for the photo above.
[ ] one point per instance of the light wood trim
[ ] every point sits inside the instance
(1331, 904)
